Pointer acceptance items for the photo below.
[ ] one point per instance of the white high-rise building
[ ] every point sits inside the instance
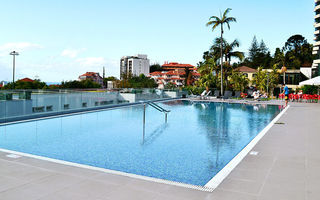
(316, 46)
(134, 65)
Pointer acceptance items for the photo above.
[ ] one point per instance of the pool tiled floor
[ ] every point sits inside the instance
(286, 167)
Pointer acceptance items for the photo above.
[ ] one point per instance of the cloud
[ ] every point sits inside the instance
(5, 49)
(72, 53)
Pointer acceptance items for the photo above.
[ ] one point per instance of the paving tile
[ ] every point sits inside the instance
(275, 191)
(227, 195)
(112, 178)
(9, 183)
(249, 174)
(181, 192)
(148, 185)
(129, 193)
(91, 189)
(242, 186)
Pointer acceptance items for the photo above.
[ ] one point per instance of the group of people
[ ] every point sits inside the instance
(256, 95)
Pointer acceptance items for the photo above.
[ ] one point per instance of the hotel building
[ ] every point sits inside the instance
(134, 65)
(316, 46)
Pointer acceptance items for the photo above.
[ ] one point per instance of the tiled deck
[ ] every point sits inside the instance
(286, 168)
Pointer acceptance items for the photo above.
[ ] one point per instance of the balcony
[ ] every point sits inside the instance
(316, 61)
(316, 44)
(316, 25)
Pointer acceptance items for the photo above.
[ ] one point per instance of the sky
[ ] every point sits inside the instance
(59, 40)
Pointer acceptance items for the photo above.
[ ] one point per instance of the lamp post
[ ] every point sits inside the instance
(14, 54)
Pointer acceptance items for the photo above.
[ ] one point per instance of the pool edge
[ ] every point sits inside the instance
(208, 187)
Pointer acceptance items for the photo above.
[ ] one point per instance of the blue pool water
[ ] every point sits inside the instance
(196, 143)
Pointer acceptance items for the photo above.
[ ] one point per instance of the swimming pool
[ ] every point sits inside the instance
(198, 140)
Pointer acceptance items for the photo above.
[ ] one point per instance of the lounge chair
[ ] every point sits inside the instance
(227, 94)
(205, 94)
(237, 94)
(216, 93)
(202, 95)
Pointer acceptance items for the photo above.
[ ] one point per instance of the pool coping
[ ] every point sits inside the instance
(208, 187)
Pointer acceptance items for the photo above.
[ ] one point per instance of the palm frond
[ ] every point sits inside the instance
(226, 12)
(214, 18)
(235, 43)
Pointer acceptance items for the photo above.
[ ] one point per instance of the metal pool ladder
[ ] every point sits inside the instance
(159, 108)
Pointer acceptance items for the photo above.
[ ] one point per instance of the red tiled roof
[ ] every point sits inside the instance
(177, 65)
(172, 72)
(26, 80)
(90, 74)
(245, 69)
(306, 65)
(195, 74)
(155, 73)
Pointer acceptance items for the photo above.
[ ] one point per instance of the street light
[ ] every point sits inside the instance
(14, 54)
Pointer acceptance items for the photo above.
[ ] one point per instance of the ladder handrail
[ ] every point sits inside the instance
(159, 108)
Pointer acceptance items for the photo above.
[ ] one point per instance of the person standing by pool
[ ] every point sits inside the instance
(286, 93)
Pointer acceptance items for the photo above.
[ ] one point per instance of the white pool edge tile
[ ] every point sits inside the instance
(146, 178)
(222, 174)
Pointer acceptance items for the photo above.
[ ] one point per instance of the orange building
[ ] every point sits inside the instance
(95, 77)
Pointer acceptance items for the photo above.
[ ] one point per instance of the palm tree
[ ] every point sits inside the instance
(215, 21)
(228, 49)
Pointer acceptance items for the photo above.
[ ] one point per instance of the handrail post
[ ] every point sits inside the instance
(144, 122)
(166, 117)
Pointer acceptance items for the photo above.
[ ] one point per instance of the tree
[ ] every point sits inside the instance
(170, 86)
(278, 58)
(260, 79)
(254, 49)
(263, 48)
(239, 81)
(295, 43)
(155, 67)
(206, 70)
(297, 52)
(140, 81)
(35, 84)
(259, 55)
(272, 79)
(85, 84)
(228, 49)
(215, 21)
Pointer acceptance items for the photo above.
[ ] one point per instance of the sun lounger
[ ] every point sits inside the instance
(216, 93)
(227, 94)
(237, 94)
